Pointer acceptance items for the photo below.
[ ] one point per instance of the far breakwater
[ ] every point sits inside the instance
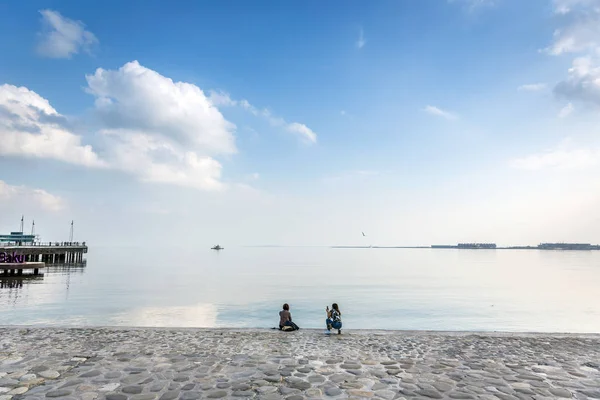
(487, 246)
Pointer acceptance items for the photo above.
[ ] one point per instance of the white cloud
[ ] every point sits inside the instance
(62, 37)
(438, 112)
(581, 31)
(583, 81)
(562, 158)
(25, 196)
(159, 130)
(159, 160)
(149, 126)
(30, 127)
(567, 6)
(532, 87)
(580, 34)
(306, 134)
(221, 99)
(566, 111)
(303, 131)
(360, 43)
(140, 99)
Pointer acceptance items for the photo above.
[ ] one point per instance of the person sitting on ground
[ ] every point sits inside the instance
(334, 318)
(285, 319)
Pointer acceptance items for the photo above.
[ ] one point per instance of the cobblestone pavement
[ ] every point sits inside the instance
(144, 364)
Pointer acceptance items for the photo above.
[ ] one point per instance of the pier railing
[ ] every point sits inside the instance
(45, 244)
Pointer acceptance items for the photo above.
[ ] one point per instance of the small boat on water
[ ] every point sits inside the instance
(217, 247)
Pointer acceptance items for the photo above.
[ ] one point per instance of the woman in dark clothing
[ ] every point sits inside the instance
(285, 317)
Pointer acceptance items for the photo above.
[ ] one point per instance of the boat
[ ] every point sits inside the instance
(217, 247)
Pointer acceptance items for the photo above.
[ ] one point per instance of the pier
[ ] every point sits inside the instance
(16, 269)
(49, 253)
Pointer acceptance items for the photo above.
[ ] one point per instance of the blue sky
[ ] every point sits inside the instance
(271, 122)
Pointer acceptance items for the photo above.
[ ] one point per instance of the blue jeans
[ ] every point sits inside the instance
(334, 324)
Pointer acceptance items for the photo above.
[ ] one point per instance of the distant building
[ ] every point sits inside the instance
(476, 245)
(568, 246)
(465, 246)
(17, 238)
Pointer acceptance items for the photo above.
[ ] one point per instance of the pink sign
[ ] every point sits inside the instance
(11, 258)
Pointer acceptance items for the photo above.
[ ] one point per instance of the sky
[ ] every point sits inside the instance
(278, 123)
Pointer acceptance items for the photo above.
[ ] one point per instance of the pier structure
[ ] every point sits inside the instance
(49, 252)
(16, 269)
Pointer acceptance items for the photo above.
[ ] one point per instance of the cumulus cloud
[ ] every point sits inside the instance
(583, 81)
(159, 130)
(360, 43)
(62, 37)
(580, 34)
(30, 197)
(151, 127)
(138, 98)
(303, 132)
(31, 127)
(438, 112)
(159, 160)
(532, 87)
(148, 126)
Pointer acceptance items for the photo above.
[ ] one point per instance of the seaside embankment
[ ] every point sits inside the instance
(168, 363)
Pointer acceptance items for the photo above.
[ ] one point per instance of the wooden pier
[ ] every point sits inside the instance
(16, 269)
(49, 253)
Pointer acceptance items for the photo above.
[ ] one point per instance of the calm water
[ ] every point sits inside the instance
(375, 288)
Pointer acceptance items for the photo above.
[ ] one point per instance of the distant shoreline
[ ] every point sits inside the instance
(458, 248)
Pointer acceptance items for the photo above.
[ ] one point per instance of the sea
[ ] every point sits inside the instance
(245, 287)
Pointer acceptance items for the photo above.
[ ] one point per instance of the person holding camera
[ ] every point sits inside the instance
(334, 318)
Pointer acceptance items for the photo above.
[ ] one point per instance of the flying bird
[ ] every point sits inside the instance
(363, 234)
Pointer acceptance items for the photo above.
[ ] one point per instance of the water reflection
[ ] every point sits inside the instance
(11, 287)
(197, 316)
(16, 282)
(66, 268)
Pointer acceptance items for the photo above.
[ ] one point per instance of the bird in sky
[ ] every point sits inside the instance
(363, 234)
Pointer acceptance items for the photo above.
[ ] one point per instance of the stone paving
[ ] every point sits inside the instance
(188, 364)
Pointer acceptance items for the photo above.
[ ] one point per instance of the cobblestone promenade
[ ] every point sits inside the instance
(145, 364)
